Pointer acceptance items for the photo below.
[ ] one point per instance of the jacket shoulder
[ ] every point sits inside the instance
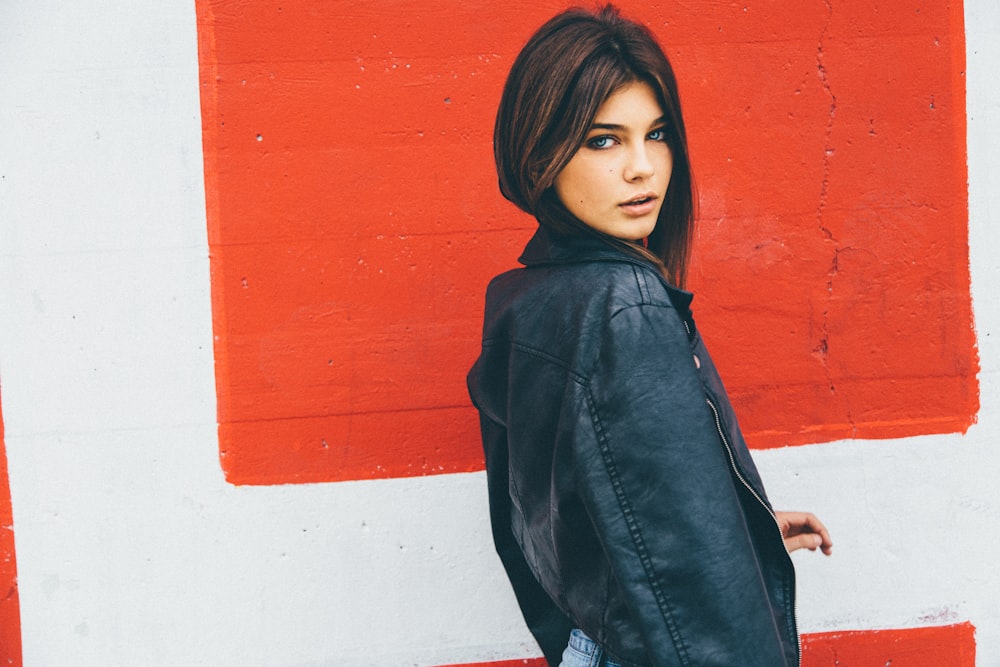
(561, 313)
(614, 284)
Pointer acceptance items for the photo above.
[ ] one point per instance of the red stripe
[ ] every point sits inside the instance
(951, 645)
(526, 662)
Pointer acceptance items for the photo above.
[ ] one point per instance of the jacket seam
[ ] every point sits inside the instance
(529, 349)
(645, 304)
(576, 376)
(585, 379)
(662, 599)
(642, 284)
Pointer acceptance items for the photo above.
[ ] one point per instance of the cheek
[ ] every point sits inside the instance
(574, 183)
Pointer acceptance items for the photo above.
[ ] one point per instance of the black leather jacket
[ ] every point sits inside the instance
(623, 499)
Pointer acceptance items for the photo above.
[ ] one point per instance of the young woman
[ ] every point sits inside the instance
(625, 506)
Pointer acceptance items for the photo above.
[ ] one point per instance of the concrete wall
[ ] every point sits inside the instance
(209, 463)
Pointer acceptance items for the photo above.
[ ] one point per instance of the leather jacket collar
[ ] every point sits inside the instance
(549, 247)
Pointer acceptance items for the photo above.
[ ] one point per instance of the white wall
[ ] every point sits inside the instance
(131, 548)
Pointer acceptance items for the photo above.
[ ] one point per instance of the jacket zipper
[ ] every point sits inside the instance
(743, 481)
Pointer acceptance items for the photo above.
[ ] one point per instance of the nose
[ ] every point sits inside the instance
(640, 164)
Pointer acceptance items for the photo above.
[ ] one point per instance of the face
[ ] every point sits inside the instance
(618, 178)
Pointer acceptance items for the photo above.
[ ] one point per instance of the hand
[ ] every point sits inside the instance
(802, 530)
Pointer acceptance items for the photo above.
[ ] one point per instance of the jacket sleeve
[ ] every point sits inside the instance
(547, 623)
(669, 511)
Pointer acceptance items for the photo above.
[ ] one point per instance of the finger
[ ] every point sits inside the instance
(798, 523)
(819, 529)
(804, 541)
(827, 544)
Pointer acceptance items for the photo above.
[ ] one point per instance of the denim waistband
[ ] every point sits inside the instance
(582, 643)
(588, 653)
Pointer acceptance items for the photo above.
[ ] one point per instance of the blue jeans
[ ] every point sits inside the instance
(583, 652)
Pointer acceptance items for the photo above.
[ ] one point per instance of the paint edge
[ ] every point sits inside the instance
(10, 607)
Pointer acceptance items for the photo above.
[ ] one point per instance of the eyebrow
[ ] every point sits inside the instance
(662, 120)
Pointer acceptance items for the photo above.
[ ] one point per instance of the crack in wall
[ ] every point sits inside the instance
(822, 349)
(828, 150)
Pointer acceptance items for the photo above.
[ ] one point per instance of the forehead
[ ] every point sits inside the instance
(635, 102)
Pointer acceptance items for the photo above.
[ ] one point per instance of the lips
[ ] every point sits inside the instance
(642, 204)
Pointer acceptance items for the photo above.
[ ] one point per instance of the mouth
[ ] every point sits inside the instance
(640, 204)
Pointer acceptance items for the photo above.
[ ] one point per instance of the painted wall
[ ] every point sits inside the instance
(354, 219)
(236, 462)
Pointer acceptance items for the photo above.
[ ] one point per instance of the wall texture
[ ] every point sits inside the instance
(354, 219)
(242, 253)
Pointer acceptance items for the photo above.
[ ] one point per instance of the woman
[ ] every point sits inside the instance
(625, 505)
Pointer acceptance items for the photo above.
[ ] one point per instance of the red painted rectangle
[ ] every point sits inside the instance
(354, 221)
(951, 646)
(10, 608)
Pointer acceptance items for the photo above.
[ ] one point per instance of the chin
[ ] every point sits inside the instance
(644, 232)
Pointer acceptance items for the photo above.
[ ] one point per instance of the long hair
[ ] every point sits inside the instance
(556, 85)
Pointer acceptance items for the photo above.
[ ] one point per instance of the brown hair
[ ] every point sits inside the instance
(564, 73)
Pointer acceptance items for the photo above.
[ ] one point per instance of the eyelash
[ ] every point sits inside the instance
(593, 141)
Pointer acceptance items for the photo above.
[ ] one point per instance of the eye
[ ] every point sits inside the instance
(603, 141)
(657, 135)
